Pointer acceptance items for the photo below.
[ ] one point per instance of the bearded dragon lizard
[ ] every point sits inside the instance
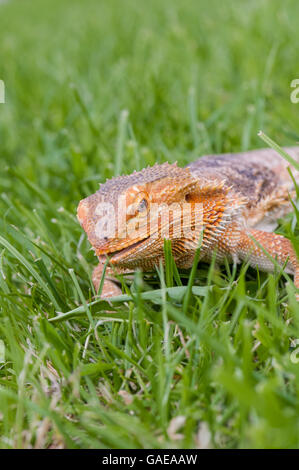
(230, 200)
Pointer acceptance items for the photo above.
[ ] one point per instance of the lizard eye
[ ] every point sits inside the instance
(140, 205)
(143, 205)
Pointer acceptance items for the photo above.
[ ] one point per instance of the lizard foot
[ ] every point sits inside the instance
(110, 286)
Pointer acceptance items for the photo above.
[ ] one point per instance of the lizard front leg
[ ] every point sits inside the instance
(279, 247)
(110, 285)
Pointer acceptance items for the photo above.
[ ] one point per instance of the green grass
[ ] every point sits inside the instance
(97, 88)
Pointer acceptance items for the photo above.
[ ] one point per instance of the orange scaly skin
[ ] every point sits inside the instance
(232, 201)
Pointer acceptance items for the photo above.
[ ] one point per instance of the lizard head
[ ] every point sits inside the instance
(128, 217)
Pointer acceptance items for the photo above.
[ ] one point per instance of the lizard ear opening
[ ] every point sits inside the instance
(206, 190)
(192, 197)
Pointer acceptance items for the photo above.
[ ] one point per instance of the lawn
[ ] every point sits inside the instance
(96, 88)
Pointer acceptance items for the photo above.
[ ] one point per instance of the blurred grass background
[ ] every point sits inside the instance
(195, 77)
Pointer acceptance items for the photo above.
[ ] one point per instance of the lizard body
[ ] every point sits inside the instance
(230, 200)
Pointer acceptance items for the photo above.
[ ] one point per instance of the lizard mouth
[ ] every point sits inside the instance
(118, 254)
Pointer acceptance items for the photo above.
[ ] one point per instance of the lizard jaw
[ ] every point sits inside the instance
(119, 255)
